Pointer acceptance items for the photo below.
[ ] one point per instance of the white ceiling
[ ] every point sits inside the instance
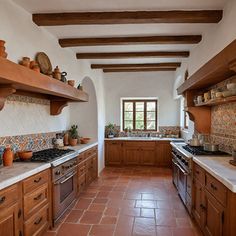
(43, 6)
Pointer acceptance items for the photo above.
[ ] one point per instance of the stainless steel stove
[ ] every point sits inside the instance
(199, 151)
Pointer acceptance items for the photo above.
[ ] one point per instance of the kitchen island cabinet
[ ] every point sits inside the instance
(143, 153)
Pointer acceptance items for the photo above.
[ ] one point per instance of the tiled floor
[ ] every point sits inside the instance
(137, 201)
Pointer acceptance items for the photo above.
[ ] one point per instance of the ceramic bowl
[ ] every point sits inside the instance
(227, 93)
(231, 86)
(25, 155)
(84, 140)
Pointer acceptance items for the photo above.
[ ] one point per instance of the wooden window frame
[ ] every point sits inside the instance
(145, 113)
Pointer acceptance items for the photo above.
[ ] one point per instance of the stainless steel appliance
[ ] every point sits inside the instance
(64, 177)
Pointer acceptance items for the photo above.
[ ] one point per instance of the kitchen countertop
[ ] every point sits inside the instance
(22, 170)
(19, 171)
(217, 166)
(144, 139)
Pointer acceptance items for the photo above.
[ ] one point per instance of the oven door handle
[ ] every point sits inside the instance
(182, 170)
(63, 181)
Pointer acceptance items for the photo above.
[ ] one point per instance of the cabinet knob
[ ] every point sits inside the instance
(2, 199)
(37, 180)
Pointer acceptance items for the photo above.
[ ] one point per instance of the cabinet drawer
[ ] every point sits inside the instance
(139, 144)
(8, 196)
(38, 223)
(81, 169)
(35, 181)
(34, 200)
(199, 174)
(81, 158)
(217, 189)
(82, 182)
(90, 152)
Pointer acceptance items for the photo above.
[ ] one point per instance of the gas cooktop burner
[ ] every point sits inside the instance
(201, 152)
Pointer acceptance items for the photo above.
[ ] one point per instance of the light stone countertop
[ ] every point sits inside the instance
(219, 167)
(22, 170)
(19, 171)
(144, 139)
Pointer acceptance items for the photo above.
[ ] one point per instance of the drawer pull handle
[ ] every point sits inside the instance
(38, 180)
(2, 199)
(213, 186)
(38, 221)
(38, 197)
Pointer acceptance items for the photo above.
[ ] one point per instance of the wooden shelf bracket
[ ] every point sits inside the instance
(4, 93)
(57, 106)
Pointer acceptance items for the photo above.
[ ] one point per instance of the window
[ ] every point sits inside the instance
(140, 115)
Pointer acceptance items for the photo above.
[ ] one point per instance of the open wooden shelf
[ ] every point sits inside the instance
(219, 68)
(15, 78)
(218, 101)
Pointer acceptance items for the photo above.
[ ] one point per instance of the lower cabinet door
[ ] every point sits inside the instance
(131, 156)
(213, 216)
(9, 223)
(147, 156)
(113, 153)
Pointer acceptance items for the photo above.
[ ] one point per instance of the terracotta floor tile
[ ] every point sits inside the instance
(103, 194)
(101, 200)
(124, 226)
(147, 212)
(134, 196)
(148, 196)
(110, 220)
(83, 203)
(184, 223)
(144, 226)
(111, 211)
(165, 218)
(73, 230)
(91, 217)
(88, 194)
(97, 207)
(74, 216)
(145, 204)
(102, 230)
(164, 204)
(130, 211)
(164, 231)
(106, 188)
(183, 231)
(116, 195)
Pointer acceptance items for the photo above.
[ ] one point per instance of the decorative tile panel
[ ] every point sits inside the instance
(26, 99)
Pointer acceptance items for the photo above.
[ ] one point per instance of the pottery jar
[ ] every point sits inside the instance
(7, 157)
(25, 62)
(2, 49)
(36, 68)
(66, 139)
(57, 73)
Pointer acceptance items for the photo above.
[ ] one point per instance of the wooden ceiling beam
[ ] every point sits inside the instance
(137, 66)
(138, 70)
(127, 17)
(120, 55)
(176, 39)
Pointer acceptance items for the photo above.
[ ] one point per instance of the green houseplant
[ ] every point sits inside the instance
(73, 135)
(110, 130)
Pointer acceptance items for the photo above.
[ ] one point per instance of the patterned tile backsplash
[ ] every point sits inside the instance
(34, 142)
(223, 126)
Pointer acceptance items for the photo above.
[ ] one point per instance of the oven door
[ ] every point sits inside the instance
(182, 183)
(174, 172)
(64, 192)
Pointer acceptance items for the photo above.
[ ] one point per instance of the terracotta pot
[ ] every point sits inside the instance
(7, 157)
(73, 141)
(36, 68)
(57, 73)
(2, 42)
(25, 62)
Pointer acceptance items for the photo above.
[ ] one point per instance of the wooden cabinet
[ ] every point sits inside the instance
(87, 168)
(213, 204)
(148, 153)
(10, 211)
(113, 153)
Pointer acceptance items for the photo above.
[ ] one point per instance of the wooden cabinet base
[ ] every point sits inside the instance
(137, 153)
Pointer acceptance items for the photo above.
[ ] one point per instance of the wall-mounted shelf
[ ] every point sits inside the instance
(16, 78)
(218, 101)
(219, 68)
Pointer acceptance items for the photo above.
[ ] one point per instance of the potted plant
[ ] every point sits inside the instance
(73, 135)
(111, 130)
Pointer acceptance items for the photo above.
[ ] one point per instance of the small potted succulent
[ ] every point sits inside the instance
(111, 130)
(73, 135)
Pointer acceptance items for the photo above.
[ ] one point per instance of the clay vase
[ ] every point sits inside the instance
(57, 73)
(7, 157)
(2, 49)
(73, 141)
(66, 139)
(25, 62)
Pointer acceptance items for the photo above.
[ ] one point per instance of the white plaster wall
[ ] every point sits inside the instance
(24, 38)
(153, 84)
(214, 40)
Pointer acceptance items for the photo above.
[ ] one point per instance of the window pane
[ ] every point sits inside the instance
(140, 125)
(151, 115)
(128, 115)
(128, 106)
(151, 106)
(139, 116)
(139, 106)
(150, 125)
(128, 124)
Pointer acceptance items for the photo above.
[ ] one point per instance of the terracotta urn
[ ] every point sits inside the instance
(3, 49)
(7, 157)
(66, 139)
(57, 73)
(73, 141)
(25, 62)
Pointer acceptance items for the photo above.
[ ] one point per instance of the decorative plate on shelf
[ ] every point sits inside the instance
(44, 63)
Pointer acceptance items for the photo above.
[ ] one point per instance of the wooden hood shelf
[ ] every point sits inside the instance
(219, 68)
(16, 78)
